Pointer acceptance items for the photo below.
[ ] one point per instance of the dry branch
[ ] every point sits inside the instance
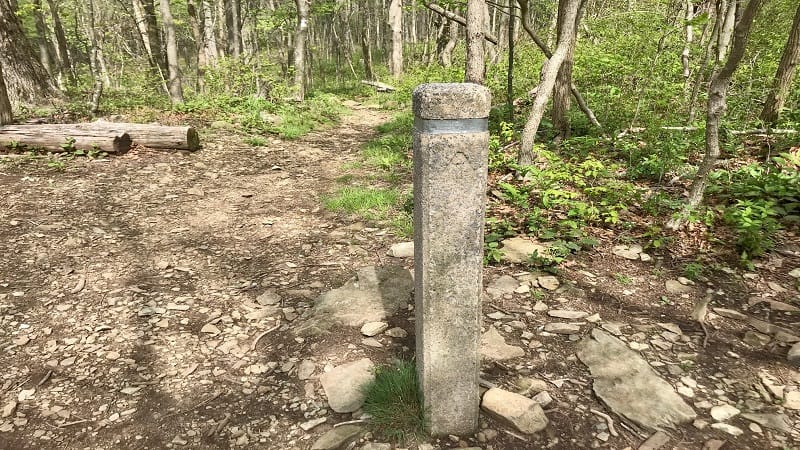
(381, 87)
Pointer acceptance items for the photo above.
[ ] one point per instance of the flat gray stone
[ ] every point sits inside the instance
(339, 438)
(779, 422)
(519, 250)
(655, 441)
(631, 252)
(629, 386)
(377, 446)
(306, 369)
(721, 413)
(494, 347)
(675, 287)
(562, 328)
(344, 385)
(727, 428)
(548, 282)
(402, 250)
(501, 286)
(521, 413)
(795, 273)
(307, 425)
(565, 314)
(756, 339)
(372, 296)
(730, 313)
(370, 329)
(270, 297)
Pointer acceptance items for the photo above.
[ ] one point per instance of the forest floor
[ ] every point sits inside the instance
(131, 312)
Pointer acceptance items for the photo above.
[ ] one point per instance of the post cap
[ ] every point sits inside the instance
(451, 101)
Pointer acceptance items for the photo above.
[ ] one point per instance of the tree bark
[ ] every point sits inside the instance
(784, 75)
(45, 54)
(6, 114)
(717, 103)
(447, 44)
(510, 72)
(63, 138)
(174, 83)
(148, 135)
(301, 34)
(154, 37)
(545, 88)
(25, 78)
(526, 25)
(396, 25)
(562, 91)
(233, 19)
(687, 43)
(475, 71)
(64, 59)
(726, 15)
(209, 38)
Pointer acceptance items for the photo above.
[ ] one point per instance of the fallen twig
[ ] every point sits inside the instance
(609, 421)
(349, 422)
(261, 336)
(45, 378)
(79, 285)
(521, 438)
(74, 422)
(213, 397)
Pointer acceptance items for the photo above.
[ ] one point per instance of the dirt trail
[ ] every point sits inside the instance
(128, 289)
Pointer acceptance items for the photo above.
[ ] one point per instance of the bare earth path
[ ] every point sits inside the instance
(128, 290)
(147, 301)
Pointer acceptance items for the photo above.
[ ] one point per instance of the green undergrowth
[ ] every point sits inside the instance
(375, 187)
(393, 401)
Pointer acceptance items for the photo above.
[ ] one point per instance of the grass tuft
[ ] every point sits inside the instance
(394, 403)
(370, 203)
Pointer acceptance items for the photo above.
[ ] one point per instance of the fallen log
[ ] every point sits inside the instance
(380, 87)
(150, 135)
(64, 138)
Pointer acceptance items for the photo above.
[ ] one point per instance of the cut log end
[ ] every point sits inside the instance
(192, 139)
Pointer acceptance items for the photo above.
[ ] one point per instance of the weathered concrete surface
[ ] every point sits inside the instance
(372, 296)
(450, 171)
(629, 386)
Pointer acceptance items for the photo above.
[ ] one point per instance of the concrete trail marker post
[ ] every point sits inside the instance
(451, 142)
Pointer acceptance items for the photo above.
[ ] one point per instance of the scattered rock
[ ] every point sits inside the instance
(755, 339)
(377, 446)
(791, 400)
(540, 306)
(727, 428)
(402, 250)
(713, 444)
(210, 329)
(655, 441)
(631, 252)
(503, 285)
(313, 423)
(269, 298)
(675, 287)
(339, 438)
(563, 314)
(371, 342)
(779, 422)
(795, 273)
(9, 409)
(529, 385)
(730, 313)
(370, 329)
(519, 250)
(306, 369)
(396, 332)
(494, 347)
(522, 413)
(372, 296)
(548, 282)
(562, 328)
(722, 413)
(629, 386)
(543, 398)
(343, 385)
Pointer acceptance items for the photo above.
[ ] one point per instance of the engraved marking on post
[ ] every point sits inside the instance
(450, 126)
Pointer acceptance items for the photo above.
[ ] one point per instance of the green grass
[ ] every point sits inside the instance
(390, 150)
(370, 203)
(394, 403)
(256, 141)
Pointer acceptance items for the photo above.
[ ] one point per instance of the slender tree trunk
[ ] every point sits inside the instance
(784, 75)
(233, 19)
(717, 103)
(64, 58)
(475, 71)
(209, 37)
(510, 72)
(526, 25)
(301, 34)
(545, 88)
(154, 36)
(175, 85)
(446, 53)
(561, 91)
(221, 22)
(94, 63)
(687, 43)
(727, 19)
(25, 78)
(197, 33)
(396, 25)
(45, 55)
(6, 114)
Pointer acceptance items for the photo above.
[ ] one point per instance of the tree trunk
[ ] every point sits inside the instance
(94, 64)
(209, 38)
(510, 72)
(545, 88)
(561, 91)
(475, 71)
(25, 78)
(6, 114)
(64, 138)
(174, 83)
(153, 36)
(526, 25)
(301, 34)
(726, 16)
(448, 44)
(233, 20)
(687, 43)
(717, 103)
(45, 55)
(64, 58)
(396, 24)
(197, 33)
(784, 74)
